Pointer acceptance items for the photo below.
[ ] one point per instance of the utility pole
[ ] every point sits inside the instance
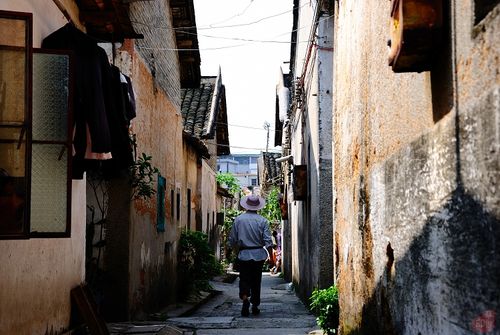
(267, 125)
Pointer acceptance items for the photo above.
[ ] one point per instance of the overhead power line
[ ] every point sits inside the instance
(212, 26)
(205, 49)
(236, 15)
(241, 126)
(248, 148)
(216, 37)
(229, 38)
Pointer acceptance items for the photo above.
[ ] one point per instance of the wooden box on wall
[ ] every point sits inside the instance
(415, 34)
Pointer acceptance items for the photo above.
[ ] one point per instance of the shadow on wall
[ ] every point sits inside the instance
(448, 282)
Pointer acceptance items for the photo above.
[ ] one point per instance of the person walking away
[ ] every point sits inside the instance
(249, 236)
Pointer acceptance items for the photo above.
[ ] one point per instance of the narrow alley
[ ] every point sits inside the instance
(350, 145)
(281, 313)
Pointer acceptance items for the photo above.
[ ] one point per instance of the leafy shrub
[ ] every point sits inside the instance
(229, 217)
(228, 180)
(231, 214)
(196, 264)
(142, 177)
(324, 304)
(271, 210)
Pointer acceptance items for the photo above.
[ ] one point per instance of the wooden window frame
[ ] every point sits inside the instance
(26, 124)
(68, 143)
(27, 129)
(178, 206)
(172, 204)
(188, 205)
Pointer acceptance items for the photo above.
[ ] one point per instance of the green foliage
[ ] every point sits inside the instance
(142, 177)
(229, 216)
(324, 304)
(230, 181)
(196, 263)
(271, 210)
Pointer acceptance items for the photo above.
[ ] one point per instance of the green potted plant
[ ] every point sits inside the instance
(324, 303)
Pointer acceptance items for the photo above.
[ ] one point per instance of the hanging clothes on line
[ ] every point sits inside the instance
(119, 122)
(91, 76)
(104, 105)
(128, 91)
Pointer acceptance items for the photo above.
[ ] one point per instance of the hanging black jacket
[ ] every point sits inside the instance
(91, 72)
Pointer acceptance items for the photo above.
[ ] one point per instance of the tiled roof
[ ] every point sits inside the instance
(196, 105)
(204, 113)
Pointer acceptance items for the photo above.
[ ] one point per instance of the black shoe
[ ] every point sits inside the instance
(245, 309)
(255, 310)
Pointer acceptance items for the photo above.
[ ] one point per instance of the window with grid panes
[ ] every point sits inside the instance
(35, 141)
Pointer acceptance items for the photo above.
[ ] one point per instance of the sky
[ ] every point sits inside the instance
(231, 35)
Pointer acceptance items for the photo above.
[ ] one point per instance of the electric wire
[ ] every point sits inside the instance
(239, 24)
(310, 46)
(204, 49)
(238, 147)
(236, 15)
(241, 126)
(228, 38)
(216, 37)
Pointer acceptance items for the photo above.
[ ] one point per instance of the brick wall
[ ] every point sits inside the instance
(153, 19)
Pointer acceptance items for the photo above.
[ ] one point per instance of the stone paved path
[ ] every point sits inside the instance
(281, 312)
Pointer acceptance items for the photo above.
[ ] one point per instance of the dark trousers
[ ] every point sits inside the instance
(250, 280)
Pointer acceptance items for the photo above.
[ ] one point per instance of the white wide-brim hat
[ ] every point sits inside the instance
(252, 202)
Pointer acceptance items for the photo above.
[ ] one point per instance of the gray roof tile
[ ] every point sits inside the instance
(195, 107)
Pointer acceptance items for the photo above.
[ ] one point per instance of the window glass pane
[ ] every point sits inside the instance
(12, 188)
(12, 133)
(178, 206)
(49, 194)
(13, 32)
(12, 70)
(15, 48)
(12, 158)
(50, 97)
(12, 85)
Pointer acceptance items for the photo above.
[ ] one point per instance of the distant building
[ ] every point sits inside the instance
(242, 166)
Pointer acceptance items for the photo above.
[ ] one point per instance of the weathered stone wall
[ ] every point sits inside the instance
(209, 206)
(323, 152)
(310, 220)
(192, 181)
(296, 214)
(153, 255)
(415, 172)
(141, 261)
